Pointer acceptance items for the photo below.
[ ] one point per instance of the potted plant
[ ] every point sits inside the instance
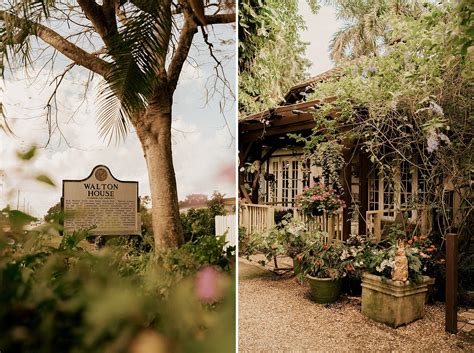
(319, 198)
(393, 286)
(297, 239)
(354, 255)
(323, 268)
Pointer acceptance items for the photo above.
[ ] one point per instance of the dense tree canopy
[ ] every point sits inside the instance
(412, 104)
(271, 54)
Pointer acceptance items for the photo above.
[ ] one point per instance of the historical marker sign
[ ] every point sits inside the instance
(101, 200)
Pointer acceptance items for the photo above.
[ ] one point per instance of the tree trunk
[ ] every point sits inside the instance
(154, 132)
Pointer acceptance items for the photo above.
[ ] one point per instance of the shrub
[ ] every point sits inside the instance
(64, 298)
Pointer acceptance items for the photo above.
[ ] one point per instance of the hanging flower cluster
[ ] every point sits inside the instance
(319, 198)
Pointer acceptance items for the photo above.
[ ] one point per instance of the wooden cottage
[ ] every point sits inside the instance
(273, 171)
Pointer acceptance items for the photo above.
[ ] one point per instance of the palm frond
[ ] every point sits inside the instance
(138, 54)
(342, 41)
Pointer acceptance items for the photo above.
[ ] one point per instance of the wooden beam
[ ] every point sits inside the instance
(243, 157)
(363, 191)
(256, 177)
(451, 322)
(282, 130)
(346, 184)
(280, 120)
(269, 154)
(245, 194)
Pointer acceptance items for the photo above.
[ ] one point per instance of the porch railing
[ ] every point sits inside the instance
(260, 217)
(256, 218)
(420, 221)
(374, 223)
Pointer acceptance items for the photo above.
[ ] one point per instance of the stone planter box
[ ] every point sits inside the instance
(393, 303)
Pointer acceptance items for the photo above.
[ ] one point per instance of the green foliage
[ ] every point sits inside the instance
(289, 238)
(54, 214)
(210, 251)
(322, 260)
(464, 36)
(270, 52)
(379, 258)
(269, 242)
(64, 298)
(244, 239)
(365, 31)
(197, 223)
(216, 204)
(201, 222)
(319, 198)
(412, 104)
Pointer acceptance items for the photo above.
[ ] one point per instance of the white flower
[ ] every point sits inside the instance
(262, 32)
(385, 263)
(435, 108)
(444, 138)
(344, 254)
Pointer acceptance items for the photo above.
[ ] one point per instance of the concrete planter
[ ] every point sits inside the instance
(393, 303)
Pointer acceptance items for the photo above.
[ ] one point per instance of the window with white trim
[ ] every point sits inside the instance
(288, 179)
(397, 192)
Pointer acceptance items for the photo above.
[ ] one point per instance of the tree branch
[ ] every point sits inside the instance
(102, 17)
(222, 18)
(68, 49)
(184, 44)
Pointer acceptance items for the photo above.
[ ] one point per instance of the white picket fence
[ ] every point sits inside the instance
(227, 224)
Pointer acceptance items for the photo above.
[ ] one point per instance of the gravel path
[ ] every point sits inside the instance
(276, 314)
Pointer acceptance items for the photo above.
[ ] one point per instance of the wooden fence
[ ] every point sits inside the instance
(226, 224)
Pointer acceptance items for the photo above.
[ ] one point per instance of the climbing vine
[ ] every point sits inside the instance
(412, 105)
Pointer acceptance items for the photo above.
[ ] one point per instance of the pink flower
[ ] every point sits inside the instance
(207, 285)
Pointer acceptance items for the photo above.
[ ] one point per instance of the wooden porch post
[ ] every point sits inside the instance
(346, 184)
(363, 191)
(256, 177)
(451, 322)
(244, 150)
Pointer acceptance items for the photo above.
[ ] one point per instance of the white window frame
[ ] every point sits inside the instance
(397, 191)
(293, 165)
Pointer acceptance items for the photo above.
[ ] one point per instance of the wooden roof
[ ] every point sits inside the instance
(292, 117)
(281, 120)
(296, 93)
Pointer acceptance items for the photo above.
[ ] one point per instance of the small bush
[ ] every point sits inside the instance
(64, 298)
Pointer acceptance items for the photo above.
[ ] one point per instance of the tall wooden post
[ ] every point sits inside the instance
(363, 191)
(346, 184)
(256, 176)
(451, 324)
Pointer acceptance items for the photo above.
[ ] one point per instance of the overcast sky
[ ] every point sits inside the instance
(204, 146)
(320, 28)
(203, 151)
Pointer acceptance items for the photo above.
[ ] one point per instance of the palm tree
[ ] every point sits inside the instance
(145, 45)
(365, 31)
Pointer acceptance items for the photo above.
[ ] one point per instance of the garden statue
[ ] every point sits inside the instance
(400, 269)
